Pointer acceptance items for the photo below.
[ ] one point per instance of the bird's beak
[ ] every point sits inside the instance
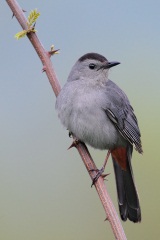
(111, 64)
(107, 65)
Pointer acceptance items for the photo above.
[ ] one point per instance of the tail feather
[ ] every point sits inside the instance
(129, 206)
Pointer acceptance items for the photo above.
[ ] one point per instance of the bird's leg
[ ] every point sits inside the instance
(106, 159)
(99, 172)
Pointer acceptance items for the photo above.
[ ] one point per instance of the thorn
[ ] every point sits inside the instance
(52, 52)
(106, 219)
(74, 144)
(22, 10)
(105, 175)
(33, 27)
(44, 69)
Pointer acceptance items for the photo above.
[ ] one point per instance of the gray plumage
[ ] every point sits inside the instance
(99, 114)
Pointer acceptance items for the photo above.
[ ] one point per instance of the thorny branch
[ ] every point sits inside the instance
(44, 56)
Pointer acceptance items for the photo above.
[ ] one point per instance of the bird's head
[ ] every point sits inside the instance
(91, 66)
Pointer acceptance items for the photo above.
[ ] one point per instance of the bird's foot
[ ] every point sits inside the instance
(99, 173)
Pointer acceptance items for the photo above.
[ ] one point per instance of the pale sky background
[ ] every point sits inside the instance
(45, 189)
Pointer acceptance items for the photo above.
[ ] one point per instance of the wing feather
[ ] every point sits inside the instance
(121, 113)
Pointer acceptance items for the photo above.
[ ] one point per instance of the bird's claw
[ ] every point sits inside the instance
(99, 173)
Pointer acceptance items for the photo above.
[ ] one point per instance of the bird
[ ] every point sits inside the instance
(97, 112)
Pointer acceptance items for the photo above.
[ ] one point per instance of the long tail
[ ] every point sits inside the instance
(129, 206)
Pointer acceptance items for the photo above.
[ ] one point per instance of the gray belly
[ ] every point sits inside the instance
(88, 121)
(91, 126)
(95, 130)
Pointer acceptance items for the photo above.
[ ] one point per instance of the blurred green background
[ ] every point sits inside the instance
(45, 189)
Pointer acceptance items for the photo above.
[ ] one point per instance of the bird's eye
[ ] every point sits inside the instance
(92, 66)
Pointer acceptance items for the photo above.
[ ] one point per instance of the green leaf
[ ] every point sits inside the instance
(33, 17)
(20, 34)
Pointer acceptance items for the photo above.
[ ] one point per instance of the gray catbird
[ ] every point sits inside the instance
(97, 112)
